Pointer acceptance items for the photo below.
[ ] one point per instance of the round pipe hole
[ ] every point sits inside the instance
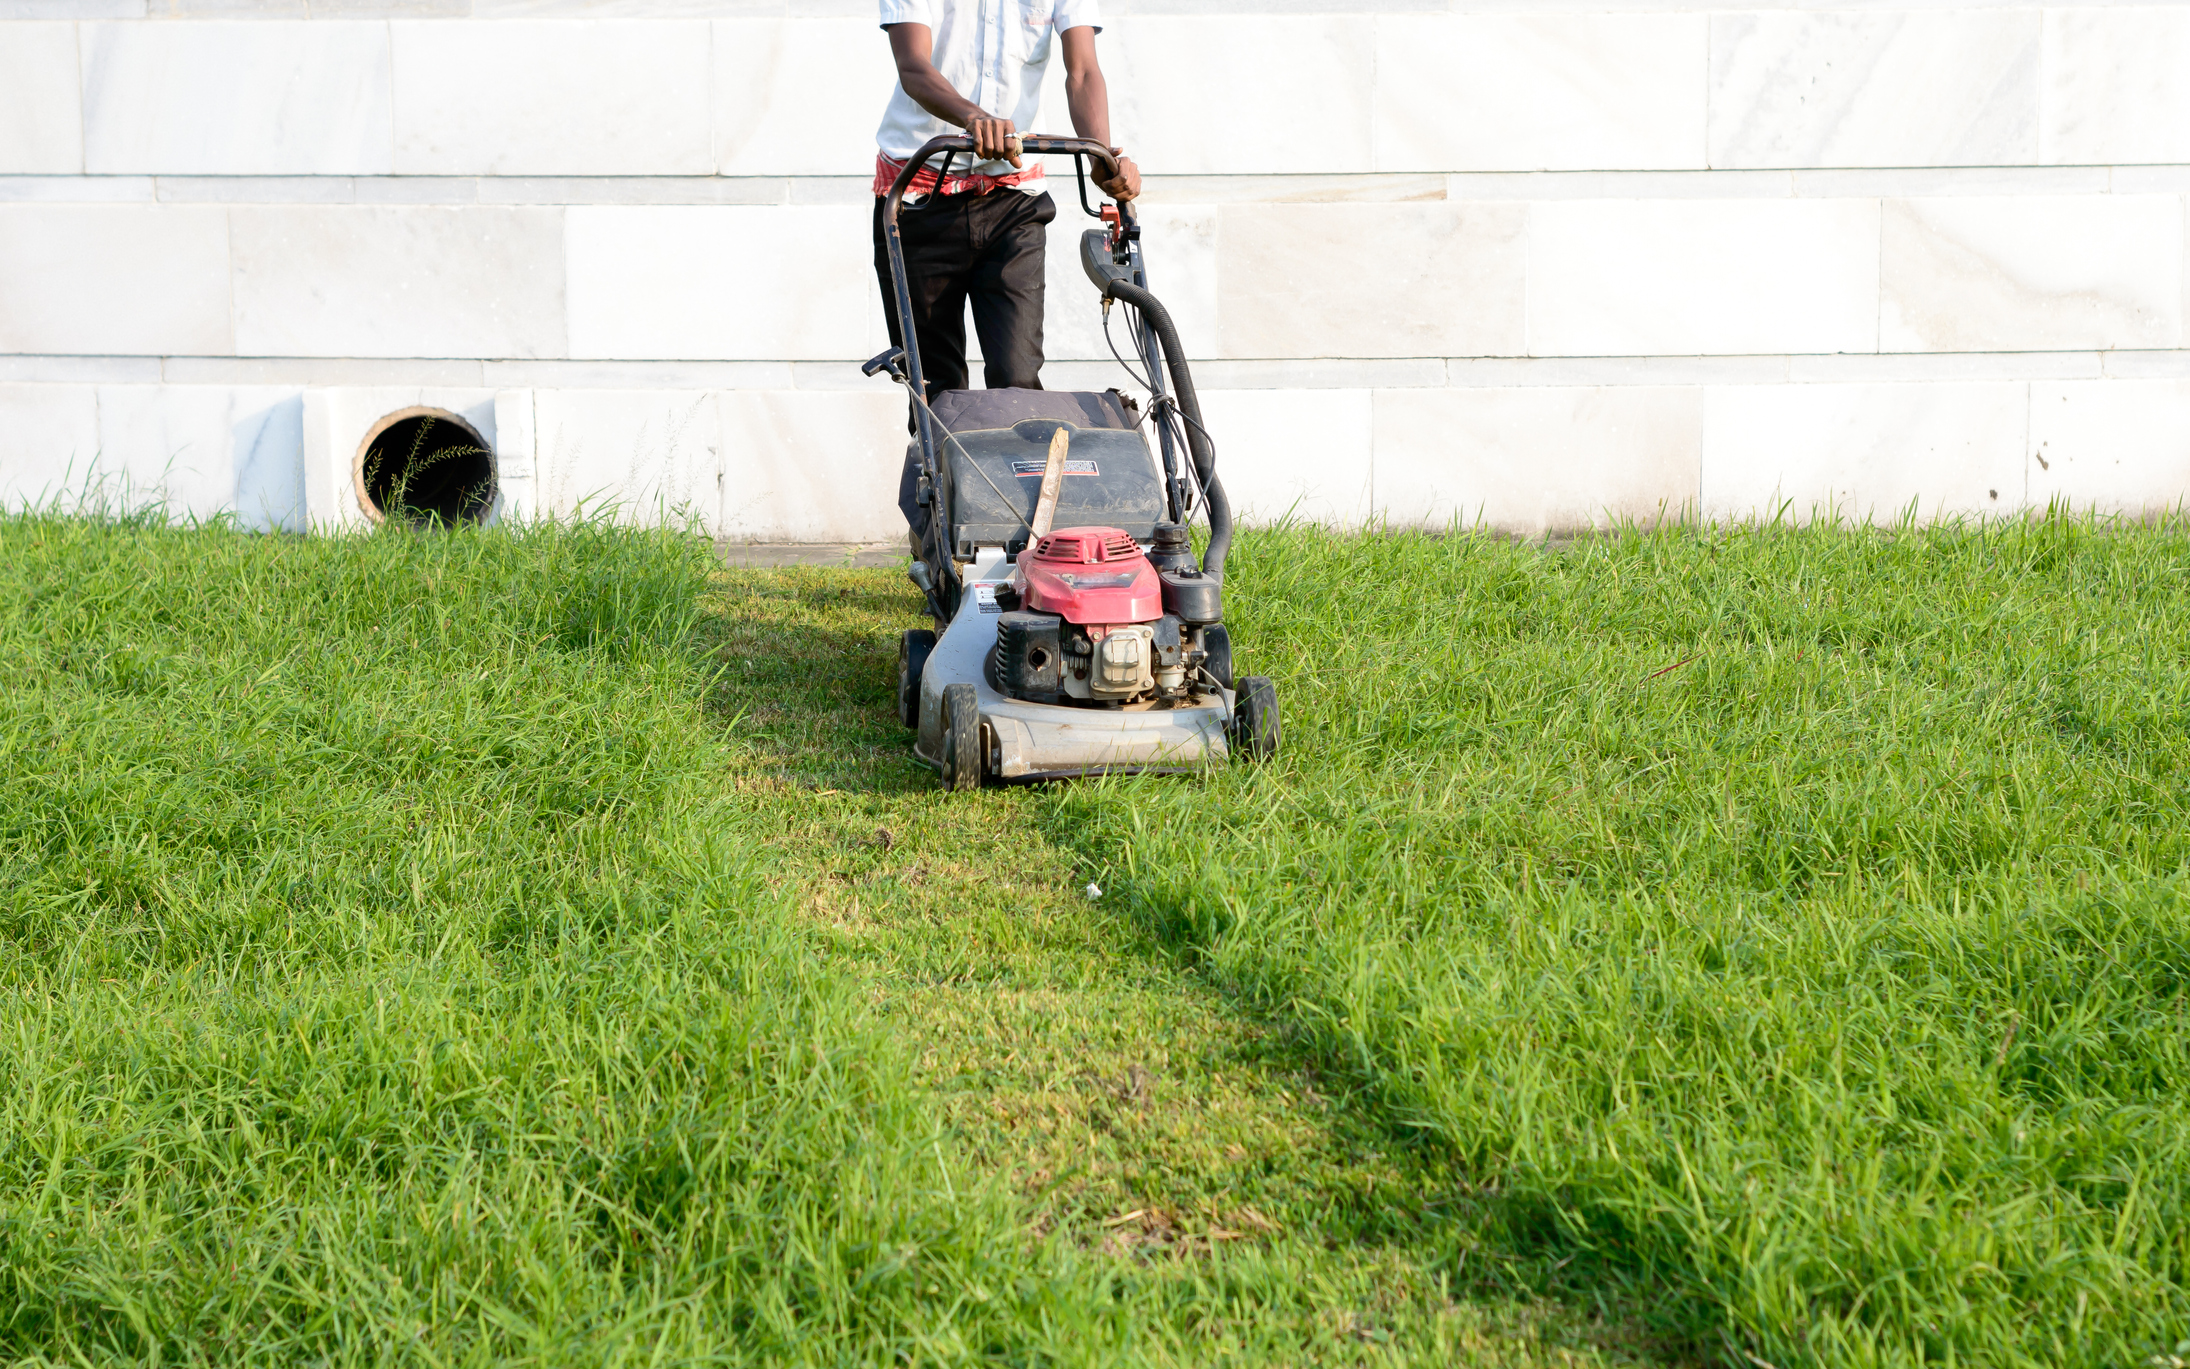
(425, 467)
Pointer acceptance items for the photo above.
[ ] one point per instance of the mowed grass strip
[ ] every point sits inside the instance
(1787, 926)
(1247, 1204)
(478, 948)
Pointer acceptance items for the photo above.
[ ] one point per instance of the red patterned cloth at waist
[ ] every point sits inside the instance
(886, 171)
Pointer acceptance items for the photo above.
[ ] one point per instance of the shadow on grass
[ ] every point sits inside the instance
(803, 663)
(1485, 1243)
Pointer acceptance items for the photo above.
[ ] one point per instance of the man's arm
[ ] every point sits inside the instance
(1089, 100)
(913, 45)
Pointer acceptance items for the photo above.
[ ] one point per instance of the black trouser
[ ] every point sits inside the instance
(987, 248)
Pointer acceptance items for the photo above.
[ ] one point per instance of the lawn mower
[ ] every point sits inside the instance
(1075, 631)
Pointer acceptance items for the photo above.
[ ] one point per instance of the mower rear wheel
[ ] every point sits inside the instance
(912, 661)
(961, 737)
(1255, 718)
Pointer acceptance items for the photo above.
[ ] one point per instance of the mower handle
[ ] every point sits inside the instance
(1027, 145)
(940, 563)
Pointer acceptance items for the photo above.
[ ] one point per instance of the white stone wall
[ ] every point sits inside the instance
(1532, 264)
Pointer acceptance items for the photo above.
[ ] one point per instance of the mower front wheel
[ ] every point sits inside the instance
(961, 737)
(1255, 718)
(912, 662)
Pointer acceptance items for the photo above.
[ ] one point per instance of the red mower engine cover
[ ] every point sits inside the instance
(1090, 576)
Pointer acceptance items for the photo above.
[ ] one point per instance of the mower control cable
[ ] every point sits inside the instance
(1173, 416)
(1203, 454)
(1138, 378)
(1163, 410)
(897, 373)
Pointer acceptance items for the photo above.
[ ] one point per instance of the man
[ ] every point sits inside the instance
(977, 65)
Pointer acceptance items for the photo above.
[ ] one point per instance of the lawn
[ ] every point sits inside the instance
(1767, 945)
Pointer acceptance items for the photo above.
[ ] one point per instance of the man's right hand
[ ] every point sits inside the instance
(994, 139)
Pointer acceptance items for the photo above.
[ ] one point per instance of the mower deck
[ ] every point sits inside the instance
(1031, 741)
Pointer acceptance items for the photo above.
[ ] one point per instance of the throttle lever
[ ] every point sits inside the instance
(1122, 233)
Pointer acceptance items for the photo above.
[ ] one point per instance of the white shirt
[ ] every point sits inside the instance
(993, 52)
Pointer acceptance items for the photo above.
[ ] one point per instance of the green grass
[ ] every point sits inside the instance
(469, 948)
(1789, 928)
(378, 985)
(478, 948)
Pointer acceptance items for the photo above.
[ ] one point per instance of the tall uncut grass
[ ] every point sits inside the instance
(1790, 926)
(382, 979)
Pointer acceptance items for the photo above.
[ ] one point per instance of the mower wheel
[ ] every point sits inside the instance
(1255, 718)
(961, 737)
(912, 660)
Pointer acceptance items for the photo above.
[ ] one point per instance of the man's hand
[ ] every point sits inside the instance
(994, 138)
(1126, 184)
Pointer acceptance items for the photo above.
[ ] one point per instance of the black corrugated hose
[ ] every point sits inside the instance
(1197, 437)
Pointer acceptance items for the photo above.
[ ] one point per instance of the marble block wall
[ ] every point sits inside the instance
(1531, 265)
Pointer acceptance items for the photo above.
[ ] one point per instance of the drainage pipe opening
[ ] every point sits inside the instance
(426, 467)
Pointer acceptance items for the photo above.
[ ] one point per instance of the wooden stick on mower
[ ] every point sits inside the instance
(1053, 479)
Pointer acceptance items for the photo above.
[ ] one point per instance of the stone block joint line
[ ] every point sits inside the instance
(628, 215)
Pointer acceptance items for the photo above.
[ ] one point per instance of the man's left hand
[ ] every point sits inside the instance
(1126, 184)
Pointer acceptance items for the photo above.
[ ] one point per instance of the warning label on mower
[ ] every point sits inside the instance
(1073, 466)
(984, 598)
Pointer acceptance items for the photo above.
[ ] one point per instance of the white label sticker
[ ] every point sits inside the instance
(984, 598)
(1073, 466)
